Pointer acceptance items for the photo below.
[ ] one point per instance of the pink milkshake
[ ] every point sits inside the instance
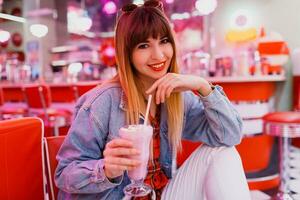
(141, 136)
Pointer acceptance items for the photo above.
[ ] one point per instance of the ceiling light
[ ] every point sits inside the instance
(110, 7)
(78, 21)
(38, 30)
(206, 7)
(138, 2)
(169, 1)
(4, 36)
(74, 68)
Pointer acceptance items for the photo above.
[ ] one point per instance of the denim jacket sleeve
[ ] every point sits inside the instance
(211, 119)
(80, 159)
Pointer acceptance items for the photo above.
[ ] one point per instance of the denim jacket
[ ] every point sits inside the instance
(99, 115)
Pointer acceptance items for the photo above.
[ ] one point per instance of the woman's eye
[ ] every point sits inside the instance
(165, 40)
(143, 46)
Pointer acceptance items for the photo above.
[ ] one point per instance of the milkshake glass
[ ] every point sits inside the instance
(141, 136)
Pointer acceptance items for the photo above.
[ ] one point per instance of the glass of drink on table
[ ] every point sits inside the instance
(140, 135)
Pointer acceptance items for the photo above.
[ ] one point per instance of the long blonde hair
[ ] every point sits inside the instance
(133, 28)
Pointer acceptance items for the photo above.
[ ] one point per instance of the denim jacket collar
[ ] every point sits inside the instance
(123, 104)
(123, 101)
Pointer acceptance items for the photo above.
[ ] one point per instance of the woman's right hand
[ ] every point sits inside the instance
(117, 157)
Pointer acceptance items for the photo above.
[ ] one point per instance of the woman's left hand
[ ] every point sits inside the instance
(172, 82)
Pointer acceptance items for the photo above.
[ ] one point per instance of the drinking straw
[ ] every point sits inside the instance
(148, 109)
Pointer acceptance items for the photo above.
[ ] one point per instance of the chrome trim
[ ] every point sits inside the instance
(265, 178)
(290, 130)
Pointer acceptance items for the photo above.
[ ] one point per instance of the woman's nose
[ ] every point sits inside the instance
(157, 53)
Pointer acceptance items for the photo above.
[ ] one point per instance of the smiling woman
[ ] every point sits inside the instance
(94, 159)
(151, 59)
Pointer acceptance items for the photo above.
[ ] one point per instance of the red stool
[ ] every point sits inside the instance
(259, 172)
(285, 125)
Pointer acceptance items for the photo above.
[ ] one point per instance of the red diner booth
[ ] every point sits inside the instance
(52, 53)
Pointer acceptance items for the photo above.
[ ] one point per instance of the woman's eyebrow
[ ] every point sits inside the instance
(164, 37)
(144, 41)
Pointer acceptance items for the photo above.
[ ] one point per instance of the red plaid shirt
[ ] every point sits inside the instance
(156, 178)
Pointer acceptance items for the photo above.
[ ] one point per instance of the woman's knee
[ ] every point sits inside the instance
(224, 173)
(216, 154)
(226, 154)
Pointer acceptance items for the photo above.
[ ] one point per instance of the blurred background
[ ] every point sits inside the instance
(53, 51)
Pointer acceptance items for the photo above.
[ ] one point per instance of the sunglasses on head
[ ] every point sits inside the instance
(151, 3)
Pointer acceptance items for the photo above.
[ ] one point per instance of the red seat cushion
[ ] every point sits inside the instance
(21, 169)
(282, 117)
(11, 110)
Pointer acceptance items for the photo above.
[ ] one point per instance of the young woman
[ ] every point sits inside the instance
(93, 160)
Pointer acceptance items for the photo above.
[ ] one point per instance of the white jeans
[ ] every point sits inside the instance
(209, 174)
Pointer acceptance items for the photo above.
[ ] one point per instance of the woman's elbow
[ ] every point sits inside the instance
(236, 136)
